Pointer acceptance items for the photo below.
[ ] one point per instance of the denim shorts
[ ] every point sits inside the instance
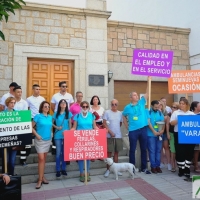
(164, 136)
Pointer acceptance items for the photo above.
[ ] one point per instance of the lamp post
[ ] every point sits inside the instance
(110, 75)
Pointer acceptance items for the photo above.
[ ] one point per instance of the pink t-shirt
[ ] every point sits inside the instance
(75, 109)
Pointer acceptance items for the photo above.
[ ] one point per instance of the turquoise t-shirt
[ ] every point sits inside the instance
(154, 117)
(137, 116)
(43, 125)
(59, 122)
(84, 123)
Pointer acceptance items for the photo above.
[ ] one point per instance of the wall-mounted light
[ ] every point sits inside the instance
(110, 75)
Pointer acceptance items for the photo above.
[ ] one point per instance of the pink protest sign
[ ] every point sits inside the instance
(152, 62)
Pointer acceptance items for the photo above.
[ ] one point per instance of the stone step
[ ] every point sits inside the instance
(32, 169)
(33, 157)
(72, 174)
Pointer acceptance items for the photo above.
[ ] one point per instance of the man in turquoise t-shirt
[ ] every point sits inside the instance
(137, 126)
(154, 142)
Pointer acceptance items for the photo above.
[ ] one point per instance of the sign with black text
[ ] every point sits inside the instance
(15, 128)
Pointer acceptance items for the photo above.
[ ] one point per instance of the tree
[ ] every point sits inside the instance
(7, 7)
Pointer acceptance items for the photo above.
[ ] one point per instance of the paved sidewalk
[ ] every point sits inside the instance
(163, 186)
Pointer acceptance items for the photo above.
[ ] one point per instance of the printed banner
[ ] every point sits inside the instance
(85, 144)
(152, 62)
(15, 128)
(184, 81)
(189, 129)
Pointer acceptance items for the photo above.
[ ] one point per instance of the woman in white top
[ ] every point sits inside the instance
(184, 152)
(98, 112)
(95, 107)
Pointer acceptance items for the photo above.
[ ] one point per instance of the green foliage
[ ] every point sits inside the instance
(7, 7)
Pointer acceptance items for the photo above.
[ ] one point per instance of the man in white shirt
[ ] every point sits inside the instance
(61, 95)
(21, 104)
(35, 100)
(112, 120)
(167, 108)
(55, 100)
(5, 96)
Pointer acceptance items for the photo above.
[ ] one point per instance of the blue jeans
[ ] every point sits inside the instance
(81, 166)
(11, 157)
(140, 134)
(60, 154)
(154, 147)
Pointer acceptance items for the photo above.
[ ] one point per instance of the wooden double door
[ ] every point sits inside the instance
(47, 74)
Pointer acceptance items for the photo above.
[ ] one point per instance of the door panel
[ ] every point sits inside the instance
(48, 74)
(122, 89)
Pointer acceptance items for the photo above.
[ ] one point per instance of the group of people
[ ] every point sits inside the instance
(141, 123)
(157, 132)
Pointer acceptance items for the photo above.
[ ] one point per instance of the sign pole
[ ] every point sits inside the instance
(149, 103)
(5, 160)
(186, 96)
(85, 163)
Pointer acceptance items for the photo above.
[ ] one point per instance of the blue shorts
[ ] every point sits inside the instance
(164, 136)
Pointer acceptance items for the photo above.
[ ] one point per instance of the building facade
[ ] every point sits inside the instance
(46, 44)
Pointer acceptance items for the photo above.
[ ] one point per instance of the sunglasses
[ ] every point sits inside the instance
(113, 104)
(46, 106)
(174, 107)
(85, 106)
(64, 86)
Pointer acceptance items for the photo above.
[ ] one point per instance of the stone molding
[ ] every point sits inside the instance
(66, 10)
(119, 24)
(24, 51)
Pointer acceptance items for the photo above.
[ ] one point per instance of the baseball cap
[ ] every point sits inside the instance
(13, 84)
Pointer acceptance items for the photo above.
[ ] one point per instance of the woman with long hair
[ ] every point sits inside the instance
(42, 125)
(184, 152)
(165, 138)
(85, 120)
(175, 106)
(62, 120)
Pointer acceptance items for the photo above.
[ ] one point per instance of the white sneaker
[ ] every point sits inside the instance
(119, 174)
(107, 173)
(169, 166)
(162, 165)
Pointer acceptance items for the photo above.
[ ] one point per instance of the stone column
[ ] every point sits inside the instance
(96, 51)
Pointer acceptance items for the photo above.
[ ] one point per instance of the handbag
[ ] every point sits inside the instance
(11, 190)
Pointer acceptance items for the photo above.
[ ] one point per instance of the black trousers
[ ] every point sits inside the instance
(184, 155)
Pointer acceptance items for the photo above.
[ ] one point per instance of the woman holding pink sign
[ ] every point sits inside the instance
(85, 120)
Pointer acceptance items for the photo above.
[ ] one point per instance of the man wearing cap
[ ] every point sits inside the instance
(61, 95)
(5, 96)
(21, 104)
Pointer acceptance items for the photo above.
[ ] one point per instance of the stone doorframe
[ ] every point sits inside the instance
(24, 51)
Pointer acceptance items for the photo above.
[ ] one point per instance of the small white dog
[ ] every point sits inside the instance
(120, 167)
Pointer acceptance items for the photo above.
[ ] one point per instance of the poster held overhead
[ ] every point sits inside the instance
(152, 63)
(184, 82)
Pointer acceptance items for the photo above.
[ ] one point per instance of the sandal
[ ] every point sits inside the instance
(39, 184)
(197, 170)
(88, 178)
(82, 179)
(44, 181)
(173, 170)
